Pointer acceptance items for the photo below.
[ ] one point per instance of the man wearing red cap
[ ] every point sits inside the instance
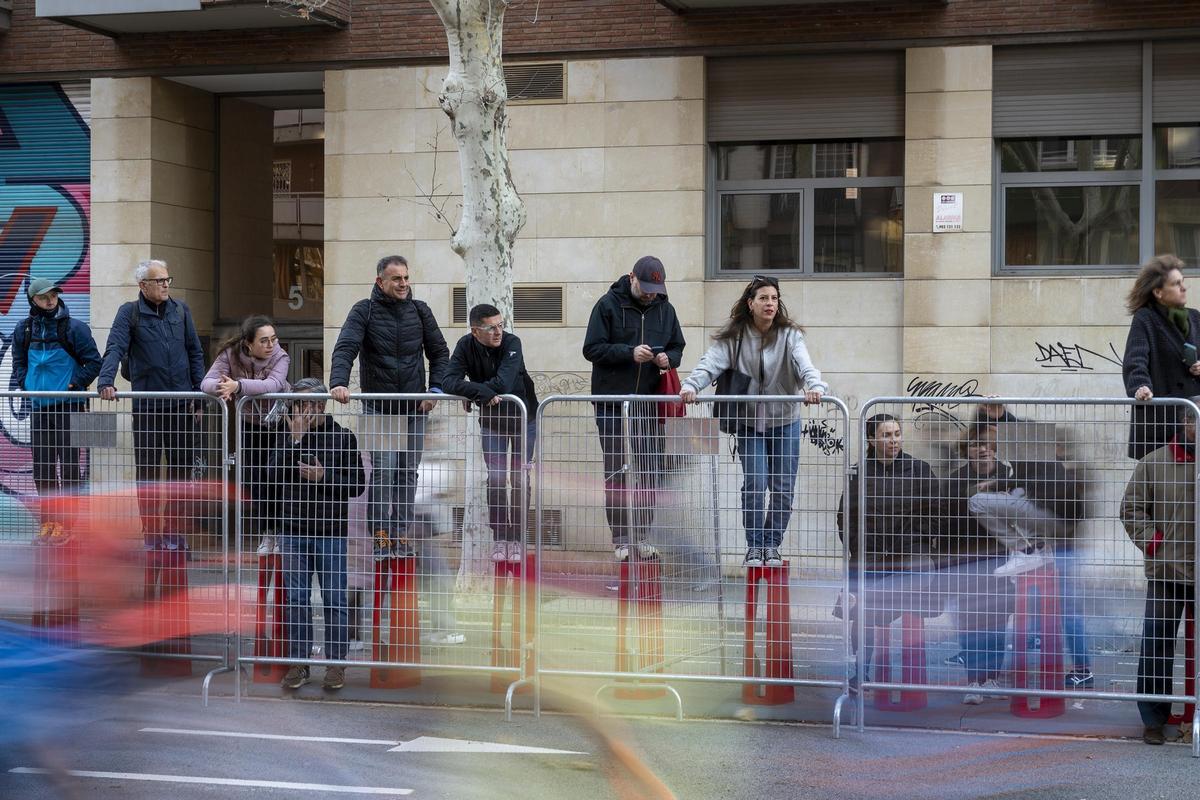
(632, 335)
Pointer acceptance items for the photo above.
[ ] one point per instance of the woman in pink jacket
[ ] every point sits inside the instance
(250, 364)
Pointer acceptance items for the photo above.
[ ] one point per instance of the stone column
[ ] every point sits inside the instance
(947, 276)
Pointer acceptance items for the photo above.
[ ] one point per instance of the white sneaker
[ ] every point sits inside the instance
(267, 545)
(1019, 563)
(990, 687)
(973, 698)
(516, 553)
(356, 644)
(647, 551)
(499, 551)
(621, 552)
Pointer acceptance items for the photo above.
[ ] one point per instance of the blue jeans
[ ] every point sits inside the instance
(985, 602)
(506, 469)
(393, 482)
(324, 556)
(1067, 565)
(769, 463)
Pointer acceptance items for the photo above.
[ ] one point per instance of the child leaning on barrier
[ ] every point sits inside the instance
(53, 352)
(1158, 511)
(487, 363)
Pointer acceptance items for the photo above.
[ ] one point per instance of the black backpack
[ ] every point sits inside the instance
(133, 326)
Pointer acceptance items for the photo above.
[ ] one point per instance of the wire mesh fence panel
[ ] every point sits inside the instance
(388, 532)
(1011, 552)
(677, 543)
(116, 522)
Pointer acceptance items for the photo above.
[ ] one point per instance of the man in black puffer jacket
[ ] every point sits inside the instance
(391, 335)
(633, 333)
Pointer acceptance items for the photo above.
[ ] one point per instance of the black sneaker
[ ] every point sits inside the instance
(1080, 679)
(956, 660)
(754, 557)
(1153, 734)
(335, 678)
(772, 558)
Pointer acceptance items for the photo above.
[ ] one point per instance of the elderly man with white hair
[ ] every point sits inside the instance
(154, 343)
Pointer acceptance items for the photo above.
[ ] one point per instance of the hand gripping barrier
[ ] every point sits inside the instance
(645, 522)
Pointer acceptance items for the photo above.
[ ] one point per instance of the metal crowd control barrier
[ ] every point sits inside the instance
(642, 543)
(382, 537)
(117, 509)
(1002, 546)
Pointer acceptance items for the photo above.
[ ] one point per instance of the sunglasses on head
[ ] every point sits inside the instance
(764, 280)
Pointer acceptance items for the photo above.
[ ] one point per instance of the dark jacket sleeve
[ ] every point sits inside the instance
(435, 347)
(674, 347)
(847, 515)
(344, 478)
(598, 346)
(118, 344)
(512, 363)
(1135, 366)
(457, 380)
(87, 356)
(349, 343)
(20, 356)
(195, 353)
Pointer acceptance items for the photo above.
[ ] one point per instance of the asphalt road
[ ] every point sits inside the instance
(163, 745)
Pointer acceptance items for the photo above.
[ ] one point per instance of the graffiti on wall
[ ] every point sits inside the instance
(45, 207)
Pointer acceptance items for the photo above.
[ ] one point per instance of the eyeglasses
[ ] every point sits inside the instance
(767, 279)
(489, 328)
(159, 281)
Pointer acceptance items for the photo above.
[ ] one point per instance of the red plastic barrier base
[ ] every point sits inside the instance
(56, 586)
(778, 656)
(510, 579)
(912, 665)
(167, 614)
(269, 635)
(1050, 672)
(1189, 667)
(640, 593)
(396, 584)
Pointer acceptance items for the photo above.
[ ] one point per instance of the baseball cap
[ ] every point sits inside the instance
(651, 274)
(41, 286)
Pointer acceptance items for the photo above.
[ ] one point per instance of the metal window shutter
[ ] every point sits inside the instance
(1176, 82)
(848, 96)
(45, 193)
(1068, 90)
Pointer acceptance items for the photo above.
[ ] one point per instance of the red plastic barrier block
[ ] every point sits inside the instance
(165, 592)
(639, 605)
(269, 636)
(512, 579)
(777, 660)
(912, 664)
(1050, 672)
(396, 587)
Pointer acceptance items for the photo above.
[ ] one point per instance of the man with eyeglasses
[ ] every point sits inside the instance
(156, 339)
(392, 334)
(633, 334)
(487, 363)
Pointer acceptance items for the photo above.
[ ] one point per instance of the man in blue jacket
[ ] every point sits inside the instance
(632, 335)
(52, 352)
(392, 335)
(155, 335)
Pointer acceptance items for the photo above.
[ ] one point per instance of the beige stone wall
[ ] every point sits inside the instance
(152, 192)
(612, 174)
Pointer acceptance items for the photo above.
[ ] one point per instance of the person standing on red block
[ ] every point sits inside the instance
(53, 352)
(487, 363)
(1158, 512)
(632, 334)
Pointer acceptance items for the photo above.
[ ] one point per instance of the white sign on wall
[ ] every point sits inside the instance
(947, 211)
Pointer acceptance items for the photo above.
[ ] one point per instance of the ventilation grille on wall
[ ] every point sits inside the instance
(536, 83)
(532, 305)
(551, 527)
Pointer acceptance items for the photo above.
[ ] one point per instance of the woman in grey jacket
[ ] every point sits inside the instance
(761, 341)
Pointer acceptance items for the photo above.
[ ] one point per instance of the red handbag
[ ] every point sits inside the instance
(669, 384)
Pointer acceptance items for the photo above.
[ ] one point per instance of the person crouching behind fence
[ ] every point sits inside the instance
(53, 352)
(1158, 512)
(252, 363)
(1028, 506)
(900, 495)
(762, 341)
(315, 469)
(487, 363)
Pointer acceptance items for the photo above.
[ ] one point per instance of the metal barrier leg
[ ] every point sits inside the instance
(396, 583)
(1050, 672)
(165, 593)
(777, 661)
(912, 664)
(268, 621)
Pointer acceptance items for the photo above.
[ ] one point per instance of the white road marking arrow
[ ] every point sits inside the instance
(435, 744)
